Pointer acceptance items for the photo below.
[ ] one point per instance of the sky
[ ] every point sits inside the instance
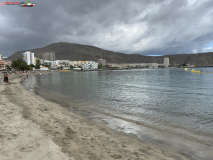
(146, 27)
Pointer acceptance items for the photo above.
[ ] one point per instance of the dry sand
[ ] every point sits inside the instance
(34, 128)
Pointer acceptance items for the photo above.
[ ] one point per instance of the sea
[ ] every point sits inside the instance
(174, 101)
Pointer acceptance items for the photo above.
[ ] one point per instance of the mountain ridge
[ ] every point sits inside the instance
(75, 52)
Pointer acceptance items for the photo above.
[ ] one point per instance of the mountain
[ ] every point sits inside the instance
(75, 52)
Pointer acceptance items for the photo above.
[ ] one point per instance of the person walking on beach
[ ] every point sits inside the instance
(5, 78)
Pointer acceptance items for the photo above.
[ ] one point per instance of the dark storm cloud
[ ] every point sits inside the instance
(145, 27)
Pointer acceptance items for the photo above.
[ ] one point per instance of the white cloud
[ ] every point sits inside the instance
(194, 51)
(208, 49)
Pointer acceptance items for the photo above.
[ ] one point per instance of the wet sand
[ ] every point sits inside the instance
(33, 128)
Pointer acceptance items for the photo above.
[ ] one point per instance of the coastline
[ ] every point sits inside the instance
(70, 136)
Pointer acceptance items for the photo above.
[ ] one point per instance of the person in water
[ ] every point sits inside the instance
(5, 78)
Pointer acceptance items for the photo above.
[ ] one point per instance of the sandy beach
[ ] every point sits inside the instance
(33, 128)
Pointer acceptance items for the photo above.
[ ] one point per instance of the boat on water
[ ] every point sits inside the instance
(63, 70)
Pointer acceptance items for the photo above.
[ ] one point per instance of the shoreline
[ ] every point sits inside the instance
(77, 136)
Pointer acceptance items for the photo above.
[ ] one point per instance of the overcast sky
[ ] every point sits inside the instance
(147, 27)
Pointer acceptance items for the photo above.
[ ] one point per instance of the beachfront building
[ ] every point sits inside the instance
(28, 57)
(57, 63)
(153, 65)
(136, 65)
(111, 64)
(90, 66)
(41, 61)
(42, 68)
(64, 63)
(1, 57)
(190, 65)
(73, 63)
(166, 62)
(35, 60)
(102, 62)
(4, 63)
(51, 63)
(78, 63)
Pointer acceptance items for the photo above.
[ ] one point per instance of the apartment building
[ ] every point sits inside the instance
(91, 65)
(4, 63)
(166, 62)
(48, 56)
(102, 62)
(28, 57)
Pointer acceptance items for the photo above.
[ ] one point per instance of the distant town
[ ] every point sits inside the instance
(47, 61)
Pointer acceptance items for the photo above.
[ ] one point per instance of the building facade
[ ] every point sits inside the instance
(90, 66)
(63, 63)
(137, 65)
(35, 60)
(48, 56)
(1, 57)
(102, 62)
(166, 62)
(28, 57)
(4, 63)
(78, 63)
(153, 65)
(57, 63)
(52, 63)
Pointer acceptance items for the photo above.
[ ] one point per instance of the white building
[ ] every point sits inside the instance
(78, 63)
(28, 57)
(42, 68)
(63, 63)
(153, 65)
(90, 65)
(52, 63)
(166, 62)
(102, 62)
(1, 57)
(57, 63)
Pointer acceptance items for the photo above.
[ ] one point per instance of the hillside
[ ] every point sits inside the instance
(77, 52)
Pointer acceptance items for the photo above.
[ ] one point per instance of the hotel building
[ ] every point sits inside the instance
(28, 57)
(166, 62)
(90, 66)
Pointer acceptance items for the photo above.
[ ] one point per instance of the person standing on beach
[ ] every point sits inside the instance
(5, 77)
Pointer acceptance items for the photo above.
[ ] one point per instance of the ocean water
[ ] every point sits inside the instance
(175, 101)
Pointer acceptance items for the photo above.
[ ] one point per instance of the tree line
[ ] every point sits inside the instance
(19, 64)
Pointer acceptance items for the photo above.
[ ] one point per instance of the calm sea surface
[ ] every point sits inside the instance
(171, 100)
